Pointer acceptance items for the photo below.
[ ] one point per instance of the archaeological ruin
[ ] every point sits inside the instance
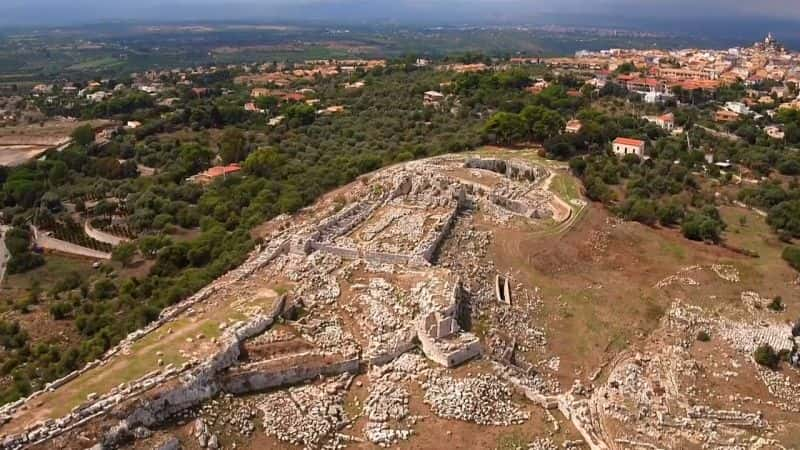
(378, 312)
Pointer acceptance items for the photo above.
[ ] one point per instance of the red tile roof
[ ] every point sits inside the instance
(219, 171)
(294, 97)
(628, 141)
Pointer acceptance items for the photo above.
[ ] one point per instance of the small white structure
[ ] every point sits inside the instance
(355, 85)
(574, 126)
(774, 132)
(626, 146)
(666, 121)
(98, 96)
(738, 108)
(432, 98)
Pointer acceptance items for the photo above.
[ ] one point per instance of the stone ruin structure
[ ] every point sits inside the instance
(378, 288)
(380, 246)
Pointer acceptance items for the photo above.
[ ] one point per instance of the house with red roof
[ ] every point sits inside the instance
(626, 146)
(214, 173)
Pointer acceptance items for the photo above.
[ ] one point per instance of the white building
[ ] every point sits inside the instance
(626, 146)
(738, 108)
(98, 96)
(432, 98)
(666, 121)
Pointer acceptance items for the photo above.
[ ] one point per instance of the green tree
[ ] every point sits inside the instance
(267, 102)
(265, 162)
(785, 216)
(233, 146)
(301, 114)
(83, 135)
(791, 255)
(766, 356)
(541, 123)
(124, 253)
(701, 227)
(504, 128)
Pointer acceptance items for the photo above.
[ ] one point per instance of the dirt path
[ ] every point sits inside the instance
(4, 255)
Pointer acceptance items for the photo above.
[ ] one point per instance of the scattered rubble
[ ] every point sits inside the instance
(484, 399)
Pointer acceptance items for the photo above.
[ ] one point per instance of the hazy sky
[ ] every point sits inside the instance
(23, 12)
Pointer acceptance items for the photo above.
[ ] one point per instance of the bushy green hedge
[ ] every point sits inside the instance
(791, 255)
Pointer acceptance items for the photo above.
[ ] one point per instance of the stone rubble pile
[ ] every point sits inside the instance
(310, 416)
(746, 337)
(484, 399)
(726, 272)
(782, 388)
(754, 300)
(386, 408)
(543, 444)
(205, 438)
(385, 312)
(327, 334)
(227, 413)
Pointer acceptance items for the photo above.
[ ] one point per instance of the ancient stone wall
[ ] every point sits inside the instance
(427, 250)
(512, 169)
(448, 354)
(343, 252)
(345, 220)
(385, 258)
(254, 379)
(196, 386)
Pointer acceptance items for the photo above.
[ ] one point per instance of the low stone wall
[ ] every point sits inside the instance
(369, 256)
(254, 379)
(386, 258)
(51, 243)
(344, 252)
(514, 206)
(102, 236)
(428, 249)
(345, 220)
(591, 440)
(456, 356)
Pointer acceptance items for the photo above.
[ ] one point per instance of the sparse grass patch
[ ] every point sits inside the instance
(673, 249)
(511, 441)
(565, 187)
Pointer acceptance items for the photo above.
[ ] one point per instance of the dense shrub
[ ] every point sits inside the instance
(792, 256)
(766, 356)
